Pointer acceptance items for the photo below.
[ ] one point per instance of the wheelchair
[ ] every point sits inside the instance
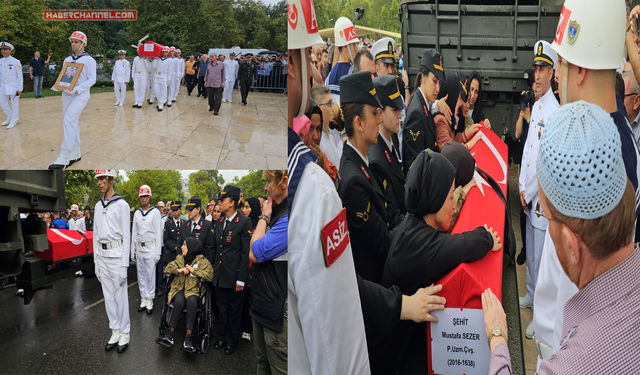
(203, 325)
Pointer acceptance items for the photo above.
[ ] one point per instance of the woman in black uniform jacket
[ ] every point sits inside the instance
(359, 190)
(422, 252)
(383, 157)
(419, 130)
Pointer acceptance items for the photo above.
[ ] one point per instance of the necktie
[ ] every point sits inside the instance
(226, 222)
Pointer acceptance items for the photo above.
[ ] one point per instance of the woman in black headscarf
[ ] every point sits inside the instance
(252, 209)
(185, 289)
(465, 165)
(475, 97)
(422, 252)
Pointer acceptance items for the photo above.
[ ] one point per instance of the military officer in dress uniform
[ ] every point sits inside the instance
(545, 60)
(10, 85)
(74, 101)
(146, 245)
(120, 77)
(152, 64)
(172, 228)
(246, 76)
(359, 188)
(178, 73)
(231, 67)
(419, 130)
(383, 156)
(139, 75)
(88, 221)
(162, 77)
(197, 227)
(230, 267)
(76, 222)
(111, 249)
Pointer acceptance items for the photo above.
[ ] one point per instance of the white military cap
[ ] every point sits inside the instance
(384, 50)
(6, 45)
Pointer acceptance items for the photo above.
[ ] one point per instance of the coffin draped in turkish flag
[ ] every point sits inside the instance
(65, 244)
(463, 286)
(150, 49)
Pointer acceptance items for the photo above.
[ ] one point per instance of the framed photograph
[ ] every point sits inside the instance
(68, 76)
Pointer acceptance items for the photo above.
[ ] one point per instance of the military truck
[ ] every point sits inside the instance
(494, 38)
(31, 192)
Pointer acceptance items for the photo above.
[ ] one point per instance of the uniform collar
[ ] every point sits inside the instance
(364, 158)
(546, 97)
(232, 217)
(386, 141)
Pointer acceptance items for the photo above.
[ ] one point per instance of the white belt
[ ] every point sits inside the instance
(146, 243)
(544, 351)
(111, 245)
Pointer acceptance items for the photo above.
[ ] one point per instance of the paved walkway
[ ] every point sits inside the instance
(185, 136)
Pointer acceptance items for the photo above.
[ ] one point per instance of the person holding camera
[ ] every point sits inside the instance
(545, 59)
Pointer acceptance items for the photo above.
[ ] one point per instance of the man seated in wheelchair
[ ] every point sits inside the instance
(185, 288)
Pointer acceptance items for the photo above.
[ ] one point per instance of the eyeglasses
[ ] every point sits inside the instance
(329, 103)
(630, 94)
(538, 211)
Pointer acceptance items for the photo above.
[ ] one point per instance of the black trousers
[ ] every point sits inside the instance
(215, 98)
(229, 314)
(244, 89)
(160, 274)
(247, 323)
(191, 82)
(178, 305)
(201, 89)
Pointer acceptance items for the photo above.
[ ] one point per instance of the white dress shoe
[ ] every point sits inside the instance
(12, 125)
(75, 155)
(525, 303)
(6, 122)
(62, 161)
(528, 333)
(117, 103)
(121, 104)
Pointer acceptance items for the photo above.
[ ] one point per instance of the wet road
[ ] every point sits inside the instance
(64, 331)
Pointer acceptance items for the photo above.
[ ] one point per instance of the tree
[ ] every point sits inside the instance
(252, 184)
(206, 184)
(81, 188)
(327, 12)
(165, 186)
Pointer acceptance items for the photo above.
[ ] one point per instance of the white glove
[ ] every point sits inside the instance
(123, 275)
(72, 92)
(54, 89)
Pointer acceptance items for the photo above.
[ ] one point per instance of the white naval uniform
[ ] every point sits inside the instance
(170, 78)
(111, 226)
(147, 229)
(328, 146)
(74, 102)
(151, 77)
(139, 76)
(120, 77)
(77, 224)
(230, 77)
(553, 290)
(161, 80)
(325, 315)
(178, 73)
(10, 83)
(528, 182)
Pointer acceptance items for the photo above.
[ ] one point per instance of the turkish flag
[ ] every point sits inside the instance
(463, 286)
(150, 49)
(66, 244)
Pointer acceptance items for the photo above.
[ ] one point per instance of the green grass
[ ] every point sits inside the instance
(46, 92)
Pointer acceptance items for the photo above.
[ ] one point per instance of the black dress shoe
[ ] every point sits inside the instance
(57, 166)
(135, 105)
(149, 311)
(173, 101)
(228, 350)
(218, 345)
(168, 104)
(110, 347)
(522, 257)
(199, 95)
(141, 308)
(211, 110)
(122, 348)
(215, 113)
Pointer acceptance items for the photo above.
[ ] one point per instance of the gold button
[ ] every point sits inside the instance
(527, 165)
(220, 253)
(220, 261)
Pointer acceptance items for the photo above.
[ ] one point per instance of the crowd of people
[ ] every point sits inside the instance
(237, 244)
(379, 168)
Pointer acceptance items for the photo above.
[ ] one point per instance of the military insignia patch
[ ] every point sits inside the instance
(364, 215)
(540, 49)
(415, 135)
(387, 155)
(574, 29)
(364, 171)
